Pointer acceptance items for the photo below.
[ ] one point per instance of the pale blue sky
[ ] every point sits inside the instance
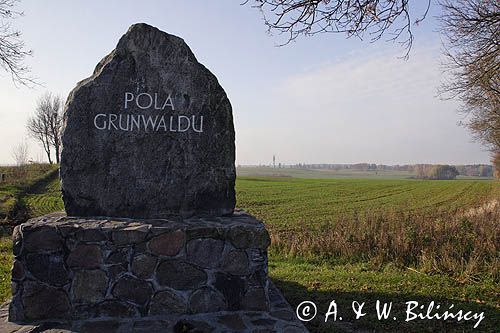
(319, 100)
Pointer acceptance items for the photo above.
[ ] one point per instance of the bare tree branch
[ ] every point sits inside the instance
(375, 18)
(12, 48)
(472, 49)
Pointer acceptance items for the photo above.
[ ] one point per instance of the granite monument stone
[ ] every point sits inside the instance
(149, 135)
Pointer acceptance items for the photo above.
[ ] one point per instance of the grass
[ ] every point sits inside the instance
(388, 239)
(8, 199)
(384, 238)
(463, 247)
(286, 202)
(5, 266)
(45, 197)
(322, 282)
(29, 191)
(254, 171)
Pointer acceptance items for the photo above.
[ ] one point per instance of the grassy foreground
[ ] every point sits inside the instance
(356, 240)
(29, 191)
(322, 282)
(379, 239)
(5, 266)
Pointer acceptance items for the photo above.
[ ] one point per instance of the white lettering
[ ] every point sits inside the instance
(171, 124)
(200, 129)
(161, 123)
(358, 309)
(331, 312)
(144, 106)
(127, 99)
(479, 316)
(135, 120)
(409, 307)
(385, 312)
(95, 121)
(120, 122)
(156, 102)
(179, 123)
(168, 102)
(112, 119)
(148, 122)
(146, 101)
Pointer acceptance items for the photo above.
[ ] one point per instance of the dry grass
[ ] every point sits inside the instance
(464, 246)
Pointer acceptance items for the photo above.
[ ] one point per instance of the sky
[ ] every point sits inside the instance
(321, 99)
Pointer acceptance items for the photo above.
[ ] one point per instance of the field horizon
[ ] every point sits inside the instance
(321, 173)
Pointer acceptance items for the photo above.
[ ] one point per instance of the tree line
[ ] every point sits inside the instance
(420, 170)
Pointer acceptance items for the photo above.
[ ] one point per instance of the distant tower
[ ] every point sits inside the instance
(274, 161)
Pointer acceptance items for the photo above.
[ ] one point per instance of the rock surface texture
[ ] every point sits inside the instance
(69, 268)
(149, 135)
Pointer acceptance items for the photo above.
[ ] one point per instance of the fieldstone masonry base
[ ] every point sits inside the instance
(68, 268)
(280, 318)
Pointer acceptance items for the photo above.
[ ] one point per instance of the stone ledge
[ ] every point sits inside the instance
(68, 268)
(279, 318)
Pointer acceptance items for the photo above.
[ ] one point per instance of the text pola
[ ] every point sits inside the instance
(145, 101)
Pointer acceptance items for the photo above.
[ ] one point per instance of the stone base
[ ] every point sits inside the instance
(280, 318)
(68, 268)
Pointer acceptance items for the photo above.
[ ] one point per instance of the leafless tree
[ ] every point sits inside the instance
(46, 125)
(55, 125)
(472, 47)
(20, 153)
(12, 48)
(355, 18)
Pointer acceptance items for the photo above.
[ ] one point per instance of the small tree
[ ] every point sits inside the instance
(46, 125)
(20, 153)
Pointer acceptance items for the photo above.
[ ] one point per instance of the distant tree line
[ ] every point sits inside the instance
(429, 171)
(441, 172)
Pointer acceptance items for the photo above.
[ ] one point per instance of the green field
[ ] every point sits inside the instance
(252, 171)
(45, 197)
(381, 239)
(285, 202)
(370, 238)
